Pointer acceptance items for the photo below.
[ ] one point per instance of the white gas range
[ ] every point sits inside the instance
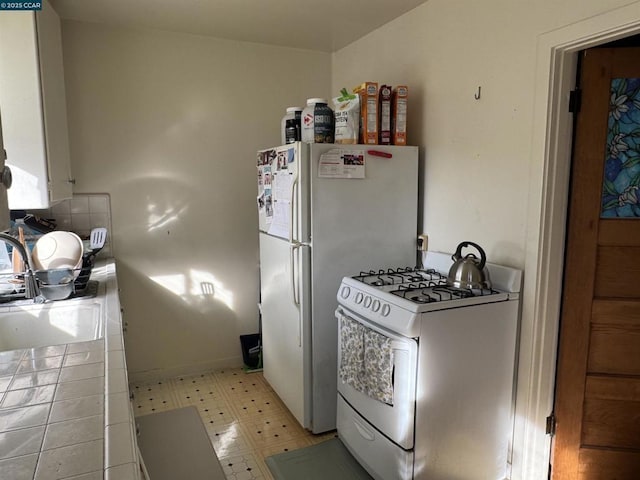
(426, 375)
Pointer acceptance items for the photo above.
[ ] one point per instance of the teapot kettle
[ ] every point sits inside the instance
(469, 272)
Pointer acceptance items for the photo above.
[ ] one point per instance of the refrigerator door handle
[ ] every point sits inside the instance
(295, 289)
(293, 226)
(293, 264)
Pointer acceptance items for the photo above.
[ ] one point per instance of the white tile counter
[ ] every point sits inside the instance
(64, 409)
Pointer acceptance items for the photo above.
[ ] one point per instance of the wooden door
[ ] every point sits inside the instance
(597, 405)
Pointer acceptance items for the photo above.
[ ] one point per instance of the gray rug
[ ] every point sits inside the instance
(326, 460)
(174, 445)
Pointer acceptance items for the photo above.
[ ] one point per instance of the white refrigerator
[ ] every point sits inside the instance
(325, 211)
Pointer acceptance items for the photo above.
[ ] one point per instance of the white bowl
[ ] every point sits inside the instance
(58, 249)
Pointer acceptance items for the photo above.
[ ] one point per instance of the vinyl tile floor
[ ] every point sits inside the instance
(245, 419)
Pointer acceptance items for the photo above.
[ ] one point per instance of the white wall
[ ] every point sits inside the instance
(475, 153)
(169, 124)
(493, 169)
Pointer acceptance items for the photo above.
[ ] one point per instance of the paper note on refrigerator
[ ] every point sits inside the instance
(282, 182)
(342, 164)
(280, 223)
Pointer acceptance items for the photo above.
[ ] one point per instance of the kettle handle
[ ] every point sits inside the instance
(483, 256)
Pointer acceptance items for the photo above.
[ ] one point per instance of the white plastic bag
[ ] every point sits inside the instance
(347, 115)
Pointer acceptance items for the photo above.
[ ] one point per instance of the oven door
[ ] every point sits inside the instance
(396, 421)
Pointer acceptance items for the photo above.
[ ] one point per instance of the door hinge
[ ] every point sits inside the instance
(550, 428)
(575, 100)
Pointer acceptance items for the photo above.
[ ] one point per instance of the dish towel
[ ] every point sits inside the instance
(378, 366)
(352, 353)
(366, 360)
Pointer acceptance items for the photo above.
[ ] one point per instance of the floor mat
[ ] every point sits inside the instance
(326, 460)
(174, 444)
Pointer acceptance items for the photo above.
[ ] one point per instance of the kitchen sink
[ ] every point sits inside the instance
(29, 325)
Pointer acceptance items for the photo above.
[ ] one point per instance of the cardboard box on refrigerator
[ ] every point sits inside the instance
(399, 115)
(384, 127)
(368, 93)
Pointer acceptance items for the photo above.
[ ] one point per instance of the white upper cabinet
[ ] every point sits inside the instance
(33, 108)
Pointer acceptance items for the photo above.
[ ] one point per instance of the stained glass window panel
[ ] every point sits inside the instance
(621, 183)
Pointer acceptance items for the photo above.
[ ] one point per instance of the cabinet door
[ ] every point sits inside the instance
(33, 103)
(21, 110)
(54, 103)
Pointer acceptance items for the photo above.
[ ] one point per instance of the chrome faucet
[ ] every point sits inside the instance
(31, 289)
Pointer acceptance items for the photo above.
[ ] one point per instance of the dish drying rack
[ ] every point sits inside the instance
(51, 283)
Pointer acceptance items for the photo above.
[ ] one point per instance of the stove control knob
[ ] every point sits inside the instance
(344, 293)
(375, 306)
(367, 301)
(359, 297)
(386, 309)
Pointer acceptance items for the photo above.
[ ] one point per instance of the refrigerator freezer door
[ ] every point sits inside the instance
(283, 192)
(282, 328)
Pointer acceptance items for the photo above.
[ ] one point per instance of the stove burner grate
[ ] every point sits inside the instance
(433, 292)
(398, 276)
(422, 299)
(418, 285)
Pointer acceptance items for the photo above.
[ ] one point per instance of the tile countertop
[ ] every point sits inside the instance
(64, 409)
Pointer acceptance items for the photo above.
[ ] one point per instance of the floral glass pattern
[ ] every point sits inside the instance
(621, 183)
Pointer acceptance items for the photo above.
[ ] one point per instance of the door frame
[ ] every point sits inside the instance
(550, 159)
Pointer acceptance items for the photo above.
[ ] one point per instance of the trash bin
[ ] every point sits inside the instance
(251, 350)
